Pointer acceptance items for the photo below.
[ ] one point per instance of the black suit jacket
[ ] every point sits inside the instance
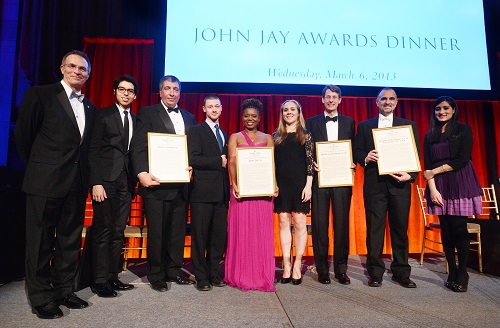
(155, 119)
(363, 144)
(108, 154)
(49, 141)
(210, 180)
(317, 126)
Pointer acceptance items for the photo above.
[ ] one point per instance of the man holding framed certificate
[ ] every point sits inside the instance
(385, 194)
(331, 126)
(165, 204)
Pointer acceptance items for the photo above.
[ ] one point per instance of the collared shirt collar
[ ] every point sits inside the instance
(68, 89)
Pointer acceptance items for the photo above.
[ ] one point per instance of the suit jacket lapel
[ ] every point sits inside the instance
(165, 118)
(66, 105)
(320, 121)
(211, 136)
(119, 125)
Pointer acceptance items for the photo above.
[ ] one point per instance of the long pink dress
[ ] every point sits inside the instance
(249, 261)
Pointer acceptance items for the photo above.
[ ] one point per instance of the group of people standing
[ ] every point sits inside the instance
(67, 146)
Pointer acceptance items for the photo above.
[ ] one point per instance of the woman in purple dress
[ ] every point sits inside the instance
(249, 261)
(453, 191)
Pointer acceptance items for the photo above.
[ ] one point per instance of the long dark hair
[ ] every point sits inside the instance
(434, 133)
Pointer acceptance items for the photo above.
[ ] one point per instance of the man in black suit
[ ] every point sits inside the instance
(330, 126)
(385, 194)
(165, 204)
(112, 184)
(209, 195)
(53, 135)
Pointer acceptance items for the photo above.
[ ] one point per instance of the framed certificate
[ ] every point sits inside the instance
(255, 171)
(168, 157)
(334, 159)
(396, 149)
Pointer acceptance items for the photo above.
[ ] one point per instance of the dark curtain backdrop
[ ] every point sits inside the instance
(111, 57)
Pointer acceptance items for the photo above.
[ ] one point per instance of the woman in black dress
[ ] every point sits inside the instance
(453, 190)
(294, 174)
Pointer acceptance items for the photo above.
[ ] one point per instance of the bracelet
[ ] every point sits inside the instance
(444, 170)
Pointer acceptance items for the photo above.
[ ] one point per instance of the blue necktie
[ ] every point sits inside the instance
(219, 138)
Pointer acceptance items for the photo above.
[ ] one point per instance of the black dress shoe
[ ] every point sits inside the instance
(203, 285)
(343, 279)
(405, 282)
(286, 280)
(159, 286)
(372, 282)
(457, 288)
(179, 280)
(48, 310)
(324, 278)
(71, 301)
(217, 282)
(103, 290)
(116, 284)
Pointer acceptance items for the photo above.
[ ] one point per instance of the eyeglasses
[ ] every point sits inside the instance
(123, 90)
(75, 68)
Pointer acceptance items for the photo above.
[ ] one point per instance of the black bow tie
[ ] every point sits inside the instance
(333, 119)
(77, 96)
(173, 109)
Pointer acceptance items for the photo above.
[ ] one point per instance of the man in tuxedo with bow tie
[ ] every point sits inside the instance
(165, 204)
(209, 195)
(385, 195)
(331, 126)
(112, 184)
(53, 136)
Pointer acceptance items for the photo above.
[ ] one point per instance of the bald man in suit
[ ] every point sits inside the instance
(53, 136)
(385, 195)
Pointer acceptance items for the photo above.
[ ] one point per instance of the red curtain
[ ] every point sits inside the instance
(113, 57)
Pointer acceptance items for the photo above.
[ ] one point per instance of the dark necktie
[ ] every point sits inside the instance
(333, 119)
(219, 138)
(173, 109)
(126, 130)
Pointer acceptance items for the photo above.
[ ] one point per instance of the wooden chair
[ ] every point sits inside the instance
(489, 202)
(428, 226)
(472, 228)
(130, 232)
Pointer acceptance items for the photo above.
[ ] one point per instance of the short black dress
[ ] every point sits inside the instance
(294, 162)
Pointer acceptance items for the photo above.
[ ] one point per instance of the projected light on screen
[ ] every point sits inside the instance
(415, 44)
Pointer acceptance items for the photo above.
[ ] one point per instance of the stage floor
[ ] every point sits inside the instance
(310, 304)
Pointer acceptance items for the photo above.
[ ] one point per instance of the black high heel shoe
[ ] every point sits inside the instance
(289, 278)
(296, 281)
(449, 284)
(458, 288)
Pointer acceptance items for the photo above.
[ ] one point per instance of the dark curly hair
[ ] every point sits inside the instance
(252, 103)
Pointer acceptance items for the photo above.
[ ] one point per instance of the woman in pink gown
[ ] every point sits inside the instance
(249, 261)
